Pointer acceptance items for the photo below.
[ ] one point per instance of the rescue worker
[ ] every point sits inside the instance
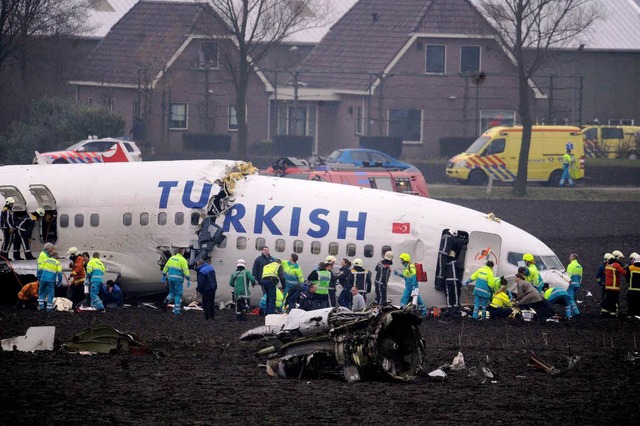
(529, 297)
(613, 272)
(531, 272)
(633, 292)
(500, 306)
(49, 276)
(28, 296)
(7, 225)
(453, 282)
(574, 270)
(331, 260)
(568, 160)
(22, 233)
(292, 273)
(360, 278)
(558, 296)
(343, 278)
(358, 304)
(75, 292)
(95, 274)
(306, 298)
(410, 283)
(383, 272)
(292, 299)
(175, 272)
(241, 280)
(482, 292)
(271, 274)
(600, 276)
(260, 262)
(111, 294)
(321, 277)
(206, 287)
(279, 307)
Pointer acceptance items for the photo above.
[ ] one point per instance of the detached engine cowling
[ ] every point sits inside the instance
(381, 343)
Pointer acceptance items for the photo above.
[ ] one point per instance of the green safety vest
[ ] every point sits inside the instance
(322, 284)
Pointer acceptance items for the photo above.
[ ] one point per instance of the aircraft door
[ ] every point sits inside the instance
(482, 246)
(7, 191)
(49, 223)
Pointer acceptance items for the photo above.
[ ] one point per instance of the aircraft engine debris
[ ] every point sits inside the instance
(383, 342)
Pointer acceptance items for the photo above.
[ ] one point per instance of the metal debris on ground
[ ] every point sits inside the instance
(484, 367)
(572, 362)
(458, 362)
(105, 340)
(539, 363)
(632, 356)
(383, 342)
(438, 373)
(36, 339)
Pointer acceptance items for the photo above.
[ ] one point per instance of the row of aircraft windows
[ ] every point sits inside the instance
(241, 242)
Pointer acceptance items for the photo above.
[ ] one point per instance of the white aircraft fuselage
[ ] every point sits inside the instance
(131, 212)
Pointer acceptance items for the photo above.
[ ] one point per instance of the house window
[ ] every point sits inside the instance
(469, 59)
(489, 119)
(232, 123)
(299, 121)
(208, 56)
(359, 118)
(178, 116)
(435, 55)
(406, 123)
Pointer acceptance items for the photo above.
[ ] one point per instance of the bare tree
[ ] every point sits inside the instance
(529, 29)
(23, 21)
(257, 26)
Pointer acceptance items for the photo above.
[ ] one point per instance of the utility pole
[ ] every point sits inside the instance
(295, 103)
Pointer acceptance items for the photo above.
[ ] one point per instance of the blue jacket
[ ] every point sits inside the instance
(115, 297)
(206, 278)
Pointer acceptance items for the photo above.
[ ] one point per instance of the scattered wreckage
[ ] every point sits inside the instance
(383, 342)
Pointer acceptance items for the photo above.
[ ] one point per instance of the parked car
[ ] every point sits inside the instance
(88, 151)
(365, 157)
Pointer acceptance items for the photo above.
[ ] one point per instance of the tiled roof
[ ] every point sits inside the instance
(369, 36)
(146, 37)
(103, 14)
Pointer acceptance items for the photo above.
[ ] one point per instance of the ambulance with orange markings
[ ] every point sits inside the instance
(495, 154)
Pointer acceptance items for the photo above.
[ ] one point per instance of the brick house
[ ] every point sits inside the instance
(430, 72)
(160, 67)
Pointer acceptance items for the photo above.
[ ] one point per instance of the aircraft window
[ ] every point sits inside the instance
(94, 219)
(260, 243)
(351, 250)
(64, 220)
(162, 218)
(127, 219)
(241, 243)
(385, 249)
(315, 247)
(223, 243)
(179, 219)
(333, 249)
(280, 245)
(368, 250)
(195, 218)
(144, 219)
(542, 262)
(298, 246)
(78, 220)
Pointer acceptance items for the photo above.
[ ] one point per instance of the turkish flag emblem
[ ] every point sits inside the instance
(401, 228)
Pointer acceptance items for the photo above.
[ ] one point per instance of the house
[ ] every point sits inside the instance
(428, 73)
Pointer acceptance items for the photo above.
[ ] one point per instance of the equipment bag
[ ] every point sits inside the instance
(421, 274)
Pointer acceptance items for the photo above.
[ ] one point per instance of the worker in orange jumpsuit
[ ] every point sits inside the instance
(28, 296)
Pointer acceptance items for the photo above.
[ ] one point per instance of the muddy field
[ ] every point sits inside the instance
(203, 374)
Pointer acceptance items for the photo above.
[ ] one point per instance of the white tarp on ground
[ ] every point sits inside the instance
(36, 339)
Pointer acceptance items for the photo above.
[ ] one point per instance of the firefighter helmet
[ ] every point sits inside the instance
(73, 251)
(9, 200)
(528, 257)
(357, 262)
(330, 259)
(388, 255)
(617, 254)
(405, 257)
(40, 211)
(607, 256)
(635, 256)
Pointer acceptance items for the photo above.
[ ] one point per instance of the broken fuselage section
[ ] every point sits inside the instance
(383, 342)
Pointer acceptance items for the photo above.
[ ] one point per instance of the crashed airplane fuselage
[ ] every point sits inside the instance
(383, 342)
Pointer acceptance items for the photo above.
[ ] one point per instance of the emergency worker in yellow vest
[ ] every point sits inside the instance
(531, 272)
(175, 272)
(633, 292)
(500, 306)
(321, 277)
(558, 296)
(568, 160)
(292, 273)
(408, 273)
(95, 274)
(483, 290)
(49, 277)
(271, 274)
(574, 270)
